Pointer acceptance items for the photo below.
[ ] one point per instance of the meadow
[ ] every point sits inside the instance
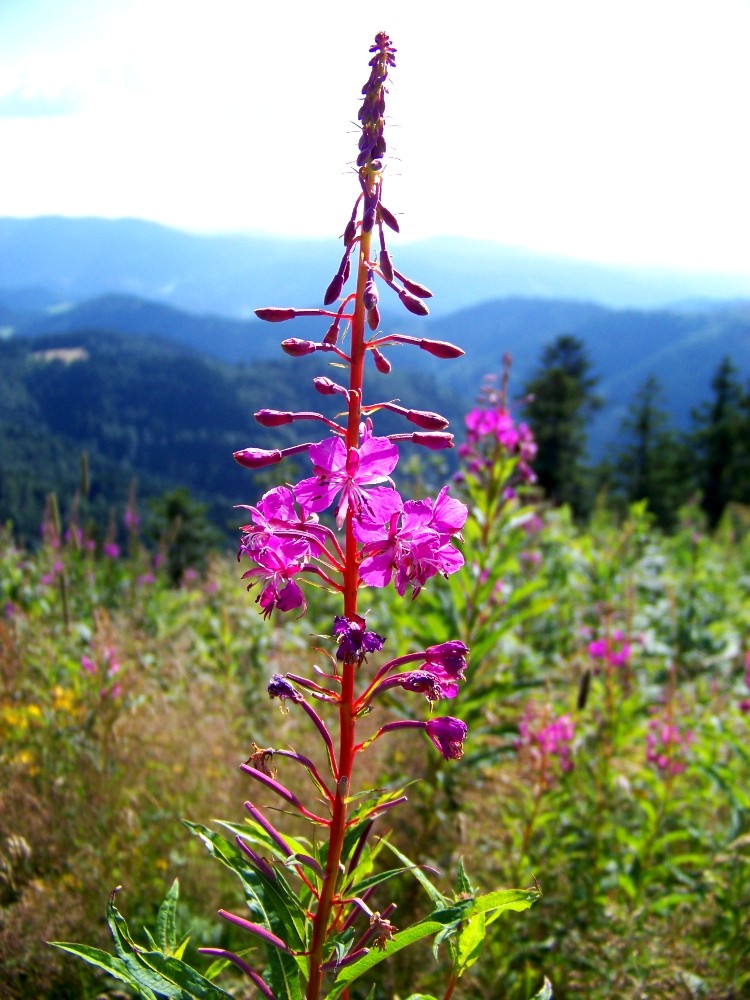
(607, 764)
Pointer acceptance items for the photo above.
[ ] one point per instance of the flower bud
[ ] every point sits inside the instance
(434, 440)
(425, 419)
(334, 289)
(297, 348)
(328, 388)
(440, 348)
(370, 293)
(388, 217)
(257, 458)
(413, 304)
(373, 318)
(382, 363)
(385, 265)
(350, 232)
(414, 287)
(275, 314)
(273, 418)
(332, 333)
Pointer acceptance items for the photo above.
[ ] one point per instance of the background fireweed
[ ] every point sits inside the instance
(313, 927)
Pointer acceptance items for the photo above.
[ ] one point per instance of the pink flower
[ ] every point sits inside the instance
(277, 560)
(414, 543)
(448, 735)
(347, 472)
(666, 745)
(543, 736)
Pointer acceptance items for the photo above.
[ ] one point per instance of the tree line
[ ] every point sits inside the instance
(652, 461)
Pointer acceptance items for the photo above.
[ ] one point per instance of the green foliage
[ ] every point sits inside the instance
(645, 875)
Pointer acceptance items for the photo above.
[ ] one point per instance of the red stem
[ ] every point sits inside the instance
(347, 733)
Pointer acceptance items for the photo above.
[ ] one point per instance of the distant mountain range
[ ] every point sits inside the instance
(133, 300)
(681, 348)
(52, 260)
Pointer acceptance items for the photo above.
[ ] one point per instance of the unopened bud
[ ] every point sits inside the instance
(435, 441)
(385, 265)
(274, 314)
(350, 232)
(414, 287)
(370, 293)
(388, 217)
(332, 333)
(427, 420)
(373, 318)
(257, 458)
(382, 363)
(299, 348)
(413, 304)
(326, 387)
(334, 289)
(440, 348)
(273, 418)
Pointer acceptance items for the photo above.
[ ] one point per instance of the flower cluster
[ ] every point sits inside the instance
(545, 738)
(108, 668)
(492, 433)
(613, 649)
(667, 745)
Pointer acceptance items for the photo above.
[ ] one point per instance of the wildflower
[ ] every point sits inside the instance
(279, 687)
(277, 561)
(614, 649)
(666, 745)
(543, 737)
(413, 542)
(347, 472)
(448, 735)
(354, 641)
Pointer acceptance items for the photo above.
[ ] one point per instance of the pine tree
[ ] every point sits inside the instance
(653, 466)
(720, 439)
(561, 398)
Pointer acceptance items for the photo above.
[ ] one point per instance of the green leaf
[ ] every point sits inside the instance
(179, 974)
(399, 941)
(116, 967)
(273, 901)
(166, 934)
(506, 899)
(468, 946)
(435, 895)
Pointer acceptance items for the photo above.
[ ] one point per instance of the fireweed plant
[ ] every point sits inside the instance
(313, 926)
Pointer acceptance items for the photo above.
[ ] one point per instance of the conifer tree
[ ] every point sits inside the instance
(720, 440)
(653, 465)
(560, 399)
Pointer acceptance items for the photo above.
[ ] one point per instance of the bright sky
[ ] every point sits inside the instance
(604, 129)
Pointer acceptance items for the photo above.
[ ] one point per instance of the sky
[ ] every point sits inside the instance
(608, 131)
